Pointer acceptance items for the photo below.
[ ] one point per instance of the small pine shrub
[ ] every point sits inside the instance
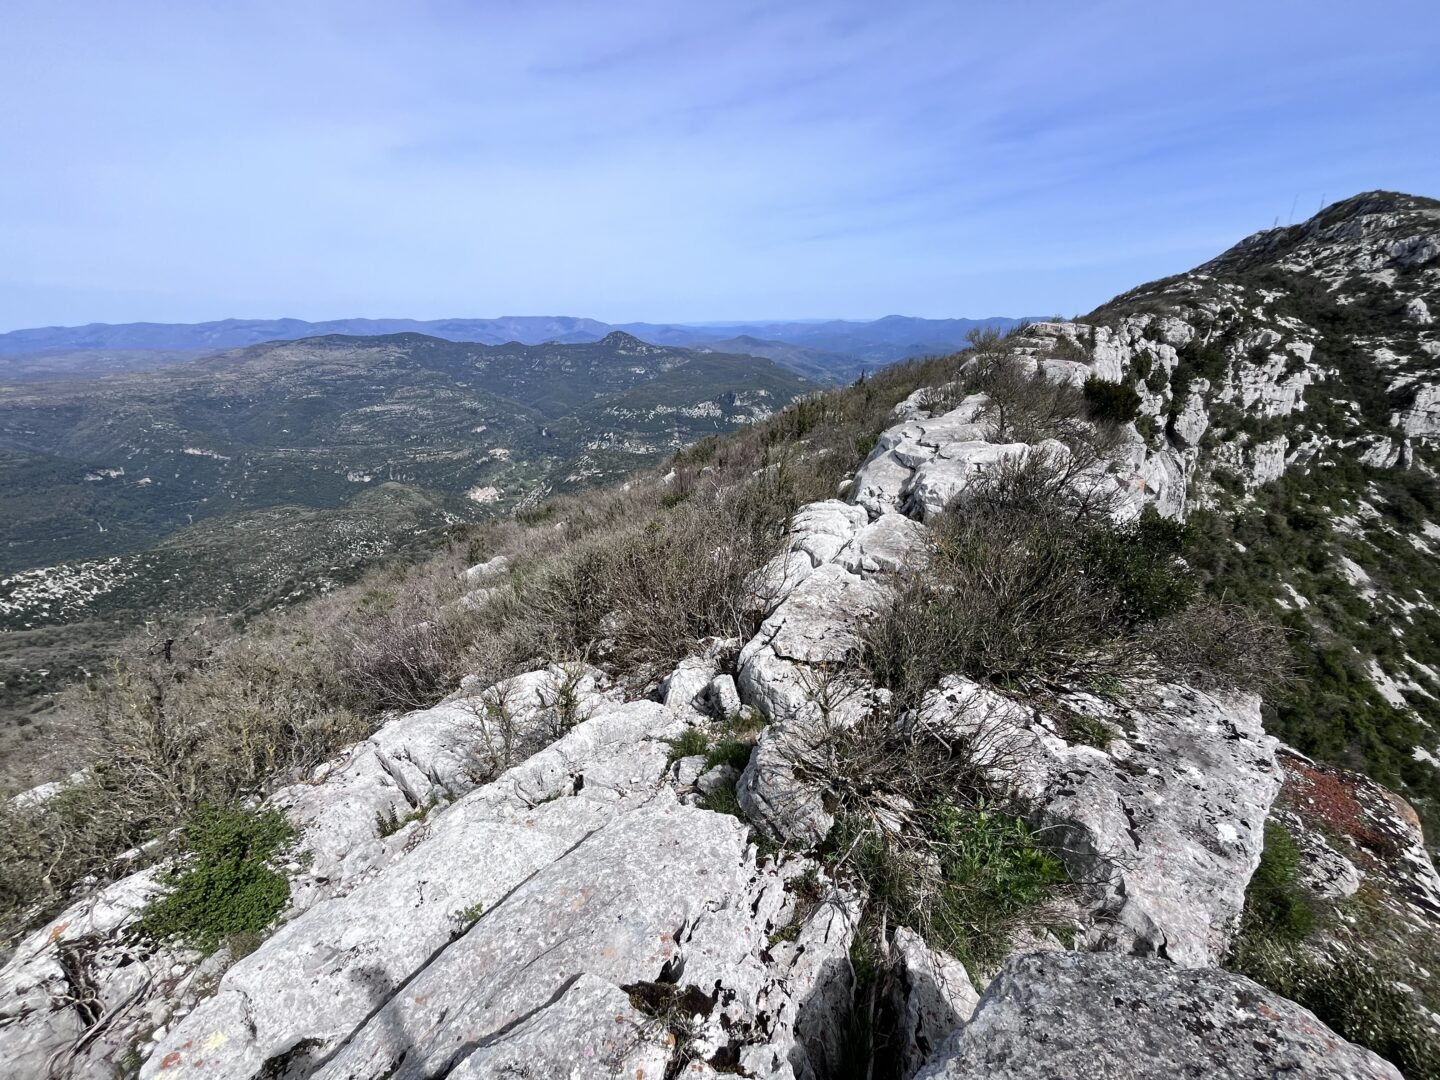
(225, 885)
(1089, 732)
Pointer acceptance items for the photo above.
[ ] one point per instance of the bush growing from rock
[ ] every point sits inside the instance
(1033, 584)
(225, 885)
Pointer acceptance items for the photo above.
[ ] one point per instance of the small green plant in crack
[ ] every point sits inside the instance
(465, 918)
(388, 822)
(1087, 731)
(225, 885)
(692, 742)
(1110, 402)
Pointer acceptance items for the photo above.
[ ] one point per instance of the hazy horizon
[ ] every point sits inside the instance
(689, 323)
(665, 163)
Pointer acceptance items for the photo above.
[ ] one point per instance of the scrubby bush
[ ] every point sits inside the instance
(1032, 584)
(641, 596)
(1111, 402)
(1027, 586)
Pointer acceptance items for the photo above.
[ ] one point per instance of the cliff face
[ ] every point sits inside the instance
(561, 874)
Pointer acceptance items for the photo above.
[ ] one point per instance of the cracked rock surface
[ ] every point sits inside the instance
(1105, 1017)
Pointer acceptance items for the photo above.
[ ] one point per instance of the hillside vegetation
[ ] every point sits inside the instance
(235, 484)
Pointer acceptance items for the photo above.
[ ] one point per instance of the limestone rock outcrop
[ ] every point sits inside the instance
(1163, 827)
(1098, 1017)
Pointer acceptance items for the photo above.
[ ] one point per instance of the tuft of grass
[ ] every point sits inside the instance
(225, 885)
(808, 892)
(1089, 732)
(730, 751)
(723, 800)
(691, 742)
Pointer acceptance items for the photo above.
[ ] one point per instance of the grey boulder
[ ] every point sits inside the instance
(1093, 1016)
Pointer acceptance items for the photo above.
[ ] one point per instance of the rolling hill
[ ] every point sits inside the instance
(264, 474)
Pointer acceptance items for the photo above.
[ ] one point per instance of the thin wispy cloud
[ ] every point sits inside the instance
(670, 161)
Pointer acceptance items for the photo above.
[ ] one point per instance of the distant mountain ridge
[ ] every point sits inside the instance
(831, 351)
(238, 333)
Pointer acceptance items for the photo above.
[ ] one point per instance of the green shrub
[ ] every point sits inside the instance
(1356, 996)
(1138, 564)
(225, 884)
(1350, 995)
(1111, 402)
(1276, 904)
(968, 879)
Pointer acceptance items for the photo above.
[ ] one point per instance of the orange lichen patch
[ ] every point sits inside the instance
(1331, 799)
(170, 1059)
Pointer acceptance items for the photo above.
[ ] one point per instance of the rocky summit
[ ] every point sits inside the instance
(1087, 840)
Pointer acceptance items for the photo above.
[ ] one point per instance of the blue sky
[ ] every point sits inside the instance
(677, 161)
